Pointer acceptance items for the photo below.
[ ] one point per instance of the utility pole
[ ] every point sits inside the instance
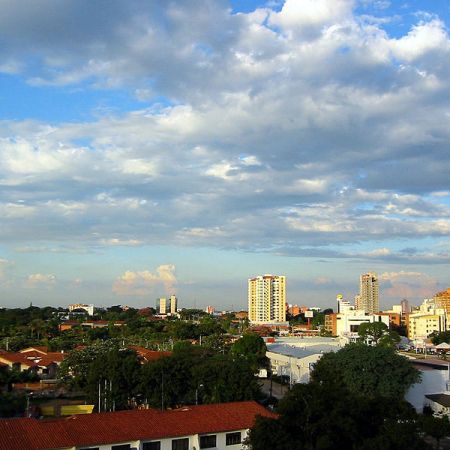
(162, 391)
(99, 397)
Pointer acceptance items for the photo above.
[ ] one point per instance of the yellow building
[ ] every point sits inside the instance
(442, 300)
(428, 319)
(267, 299)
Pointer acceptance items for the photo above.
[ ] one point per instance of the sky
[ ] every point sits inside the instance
(150, 148)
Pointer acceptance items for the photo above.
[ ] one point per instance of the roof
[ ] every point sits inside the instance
(301, 352)
(125, 426)
(442, 399)
(37, 349)
(149, 355)
(16, 358)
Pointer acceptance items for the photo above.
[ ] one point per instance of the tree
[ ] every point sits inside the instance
(251, 347)
(436, 427)
(372, 331)
(367, 371)
(225, 379)
(439, 338)
(116, 375)
(389, 339)
(315, 416)
(74, 369)
(193, 374)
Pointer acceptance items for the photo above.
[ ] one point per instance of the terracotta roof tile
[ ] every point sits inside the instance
(124, 426)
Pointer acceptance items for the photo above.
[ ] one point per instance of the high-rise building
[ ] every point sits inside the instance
(442, 300)
(173, 304)
(368, 298)
(267, 299)
(161, 305)
(166, 306)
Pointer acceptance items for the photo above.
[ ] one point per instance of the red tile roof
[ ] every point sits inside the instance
(125, 426)
(149, 355)
(16, 358)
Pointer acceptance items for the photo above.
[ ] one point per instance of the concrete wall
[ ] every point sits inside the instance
(433, 382)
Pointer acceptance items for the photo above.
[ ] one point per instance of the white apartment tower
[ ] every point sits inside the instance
(267, 299)
(166, 306)
(368, 298)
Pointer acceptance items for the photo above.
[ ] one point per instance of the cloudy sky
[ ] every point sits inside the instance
(150, 147)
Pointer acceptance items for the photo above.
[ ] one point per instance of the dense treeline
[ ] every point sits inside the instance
(192, 374)
(20, 328)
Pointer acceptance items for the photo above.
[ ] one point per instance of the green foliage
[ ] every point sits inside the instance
(390, 339)
(252, 348)
(439, 338)
(12, 404)
(367, 371)
(372, 331)
(437, 428)
(193, 374)
(317, 416)
(116, 374)
(74, 370)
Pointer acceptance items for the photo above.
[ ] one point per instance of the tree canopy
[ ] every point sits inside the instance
(316, 416)
(367, 371)
(251, 347)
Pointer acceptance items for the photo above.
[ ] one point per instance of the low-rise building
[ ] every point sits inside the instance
(295, 357)
(346, 324)
(220, 427)
(427, 319)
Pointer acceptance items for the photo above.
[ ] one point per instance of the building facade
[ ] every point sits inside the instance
(267, 299)
(442, 300)
(218, 427)
(368, 298)
(167, 305)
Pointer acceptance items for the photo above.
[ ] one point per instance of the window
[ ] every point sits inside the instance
(208, 441)
(156, 445)
(121, 447)
(180, 444)
(233, 438)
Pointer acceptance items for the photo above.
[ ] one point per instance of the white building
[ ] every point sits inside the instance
(295, 357)
(167, 305)
(267, 299)
(434, 388)
(88, 308)
(220, 427)
(426, 320)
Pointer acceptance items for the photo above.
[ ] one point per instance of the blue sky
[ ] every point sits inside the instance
(156, 147)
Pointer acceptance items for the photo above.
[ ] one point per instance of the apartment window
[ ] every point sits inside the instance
(180, 444)
(121, 447)
(156, 445)
(233, 438)
(208, 441)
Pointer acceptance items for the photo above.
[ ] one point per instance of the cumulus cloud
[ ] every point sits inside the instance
(303, 130)
(144, 282)
(406, 284)
(39, 279)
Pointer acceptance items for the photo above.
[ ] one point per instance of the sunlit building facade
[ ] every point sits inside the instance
(267, 299)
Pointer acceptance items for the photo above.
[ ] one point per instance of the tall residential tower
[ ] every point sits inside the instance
(267, 299)
(368, 298)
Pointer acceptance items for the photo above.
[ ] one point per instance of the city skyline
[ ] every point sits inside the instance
(157, 148)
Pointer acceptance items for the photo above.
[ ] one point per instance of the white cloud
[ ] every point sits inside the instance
(144, 282)
(39, 279)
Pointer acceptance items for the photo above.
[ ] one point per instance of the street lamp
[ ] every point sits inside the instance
(196, 393)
